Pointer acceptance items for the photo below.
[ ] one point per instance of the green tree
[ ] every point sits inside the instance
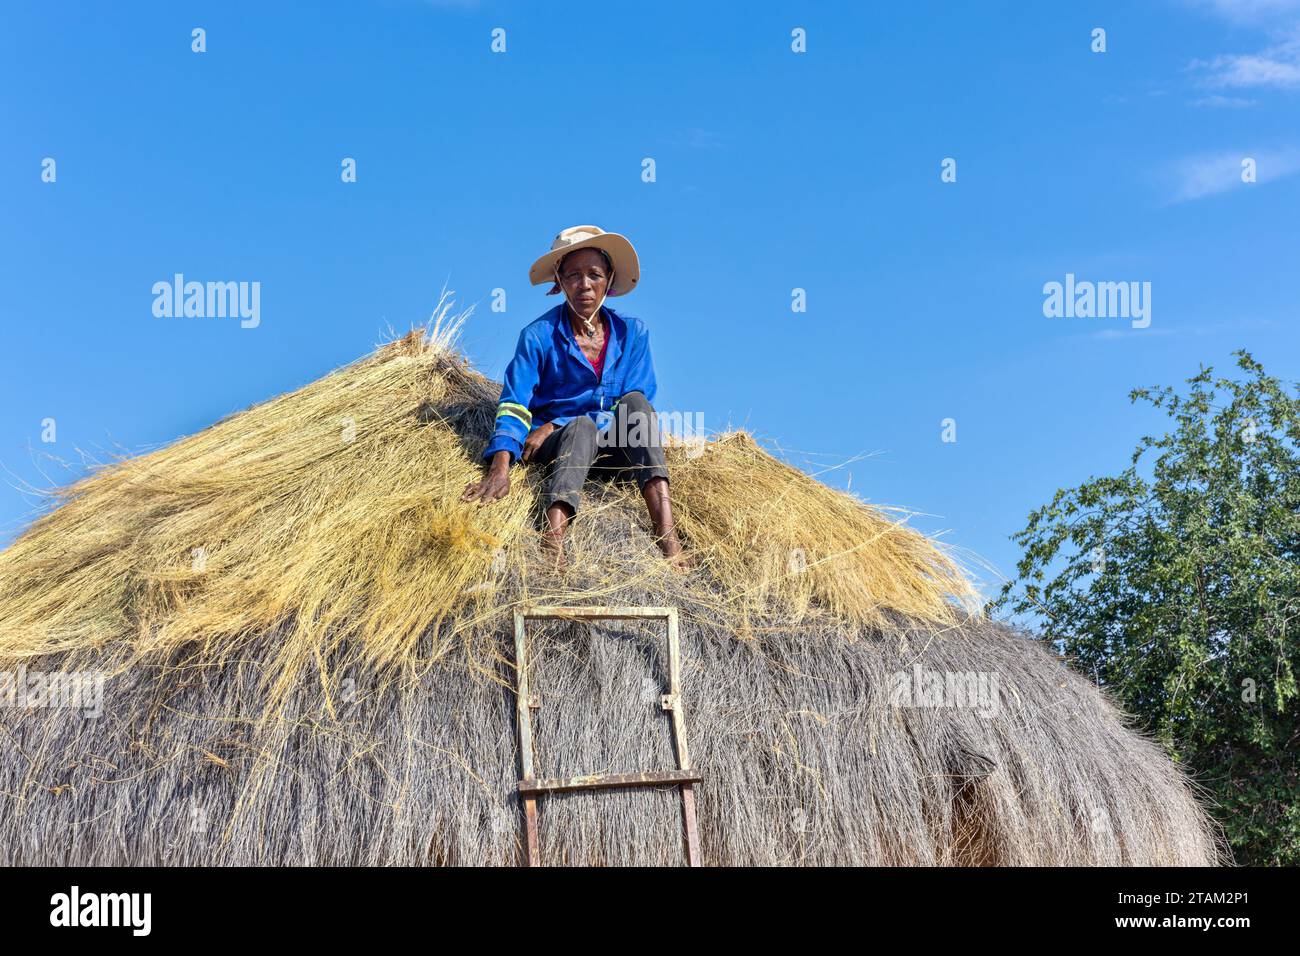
(1176, 586)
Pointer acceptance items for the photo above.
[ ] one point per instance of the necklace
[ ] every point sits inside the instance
(589, 325)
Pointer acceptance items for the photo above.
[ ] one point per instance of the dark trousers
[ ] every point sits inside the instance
(630, 447)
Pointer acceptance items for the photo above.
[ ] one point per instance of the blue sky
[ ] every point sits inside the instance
(775, 170)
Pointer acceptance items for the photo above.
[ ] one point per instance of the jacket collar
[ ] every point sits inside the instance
(560, 314)
(565, 330)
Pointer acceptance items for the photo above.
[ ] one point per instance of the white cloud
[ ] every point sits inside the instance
(1234, 327)
(1209, 174)
(695, 138)
(1223, 102)
(1277, 65)
(1250, 11)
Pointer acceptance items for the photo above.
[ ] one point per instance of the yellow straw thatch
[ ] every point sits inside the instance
(301, 634)
(332, 512)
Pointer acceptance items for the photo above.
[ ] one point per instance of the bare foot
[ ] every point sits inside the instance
(673, 552)
(557, 520)
(553, 549)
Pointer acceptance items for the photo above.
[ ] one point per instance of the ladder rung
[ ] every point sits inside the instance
(585, 612)
(596, 781)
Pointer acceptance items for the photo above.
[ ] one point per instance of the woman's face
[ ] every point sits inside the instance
(585, 279)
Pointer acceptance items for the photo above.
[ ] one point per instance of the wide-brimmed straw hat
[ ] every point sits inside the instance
(627, 268)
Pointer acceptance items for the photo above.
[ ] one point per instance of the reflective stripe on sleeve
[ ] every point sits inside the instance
(515, 411)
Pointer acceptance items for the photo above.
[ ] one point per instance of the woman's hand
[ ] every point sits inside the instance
(496, 484)
(535, 439)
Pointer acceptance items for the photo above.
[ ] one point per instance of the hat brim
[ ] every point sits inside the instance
(627, 268)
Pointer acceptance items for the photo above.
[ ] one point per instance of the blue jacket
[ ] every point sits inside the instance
(550, 380)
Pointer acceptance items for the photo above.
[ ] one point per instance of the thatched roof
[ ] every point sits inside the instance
(308, 649)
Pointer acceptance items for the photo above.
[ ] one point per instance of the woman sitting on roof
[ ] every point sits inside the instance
(578, 391)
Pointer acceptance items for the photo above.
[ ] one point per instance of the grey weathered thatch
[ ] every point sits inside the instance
(202, 755)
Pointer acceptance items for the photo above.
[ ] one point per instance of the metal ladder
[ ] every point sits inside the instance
(530, 787)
